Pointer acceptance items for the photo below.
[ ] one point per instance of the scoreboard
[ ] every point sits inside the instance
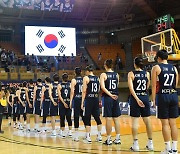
(164, 22)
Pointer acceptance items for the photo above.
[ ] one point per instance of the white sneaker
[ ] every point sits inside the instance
(20, 127)
(166, 152)
(63, 135)
(117, 141)
(14, 126)
(174, 152)
(87, 140)
(28, 130)
(99, 138)
(53, 133)
(70, 133)
(134, 147)
(108, 142)
(150, 146)
(76, 139)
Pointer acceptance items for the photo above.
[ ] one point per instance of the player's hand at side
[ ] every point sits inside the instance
(66, 106)
(140, 103)
(154, 103)
(115, 97)
(55, 104)
(82, 107)
(24, 105)
(30, 105)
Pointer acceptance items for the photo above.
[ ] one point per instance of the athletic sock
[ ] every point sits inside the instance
(88, 135)
(99, 133)
(174, 145)
(136, 142)
(117, 136)
(168, 145)
(109, 137)
(28, 126)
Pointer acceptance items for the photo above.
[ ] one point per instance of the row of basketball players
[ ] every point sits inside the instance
(82, 94)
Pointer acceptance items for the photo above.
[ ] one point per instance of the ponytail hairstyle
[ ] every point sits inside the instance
(109, 63)
(138, 61)
(24, 84)
(65, 77)
(89, 68)
(77, 71)
(163, 54)
(48, 80)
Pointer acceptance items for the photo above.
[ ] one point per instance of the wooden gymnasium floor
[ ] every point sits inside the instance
(18, 142)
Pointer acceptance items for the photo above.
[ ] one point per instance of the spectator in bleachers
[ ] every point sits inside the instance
(99, 56)
(64, 58)
(118, 63)
(3, 57)
(72, 58)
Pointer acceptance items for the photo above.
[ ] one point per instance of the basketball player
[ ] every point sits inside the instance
(64, 105)
(138, 82)
(54, 97)
(66, 6)
(76, 98)
(37, 4)
(167, 99)
(22, 96)
(90, 103)
(4, 94)
(29, 107)
(10, 104)
(36, 103)
(16, 108)
(46, 5)
(109, 84)
(56, 5)
(45, 102)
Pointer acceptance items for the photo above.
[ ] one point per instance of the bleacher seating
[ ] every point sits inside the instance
(136, 48)
(107, 51)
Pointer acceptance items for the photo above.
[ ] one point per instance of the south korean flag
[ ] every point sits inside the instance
(50, 41)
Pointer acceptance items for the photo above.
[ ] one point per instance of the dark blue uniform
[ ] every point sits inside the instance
(46, 102)
(30, 95)
(92, 97)
(78, 97)
(16, 106)
(9, 108)
(110, 106)
(22, 109)
(77, 101)
(65, 94)
(37, 109)
(167, 100)
(54, 109)
(140, 87)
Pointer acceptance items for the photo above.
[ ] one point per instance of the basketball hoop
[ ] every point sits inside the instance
(150, 55)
